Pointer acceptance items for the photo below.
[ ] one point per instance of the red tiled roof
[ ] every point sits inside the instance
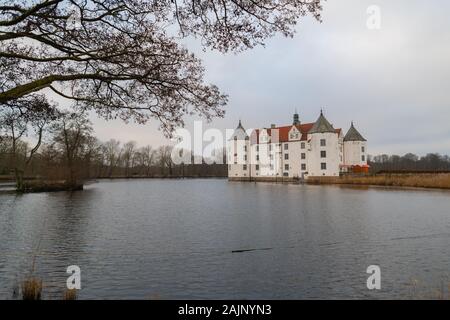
(283, 132)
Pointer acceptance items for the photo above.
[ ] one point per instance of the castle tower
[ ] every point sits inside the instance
(355, 148)
(324, 145)
(239, 154)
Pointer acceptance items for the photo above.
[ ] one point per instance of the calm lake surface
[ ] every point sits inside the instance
(187, 239)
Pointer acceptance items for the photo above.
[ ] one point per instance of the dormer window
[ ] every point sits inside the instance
(294, 135)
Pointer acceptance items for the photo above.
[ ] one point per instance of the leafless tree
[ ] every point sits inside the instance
(17, 120)
(92, 156)
(72, 135)
(165, 160)
(145, 159)
(121, 57)
(128, 153)
(112, 153)
(149, 158)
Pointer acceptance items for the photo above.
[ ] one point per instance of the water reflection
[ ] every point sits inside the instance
(215, 239)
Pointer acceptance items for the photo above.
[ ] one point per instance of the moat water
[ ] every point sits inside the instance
(194, 239)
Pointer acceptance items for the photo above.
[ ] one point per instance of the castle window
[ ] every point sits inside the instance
(245, 148)
(245, 167)
(303, 156)
(286, 167)
(323, 166)
(257, 148)
(257, 157)
(286, 156)
(304, 166)
(245, 158)
(286, 146)
(323, 154)
(363, 149)
(257, 167)
(270, 147)
(363, 158)
(303, 145)
(323, 142)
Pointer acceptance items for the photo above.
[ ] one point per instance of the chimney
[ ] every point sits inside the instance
(273, 126)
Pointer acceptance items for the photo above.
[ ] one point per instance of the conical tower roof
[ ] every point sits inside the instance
(322, 125)
(353, 135)
(240, 133)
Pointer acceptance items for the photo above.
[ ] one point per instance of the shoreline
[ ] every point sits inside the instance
(377, 186)
(399, 181)
(434, 181)
(392, 182)
(5, 180)
(159, 177)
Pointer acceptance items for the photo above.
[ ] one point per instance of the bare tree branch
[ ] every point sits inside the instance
(119, 58)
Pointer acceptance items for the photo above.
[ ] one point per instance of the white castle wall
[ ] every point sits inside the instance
(239, 158)
(332, 155)
(353, 153)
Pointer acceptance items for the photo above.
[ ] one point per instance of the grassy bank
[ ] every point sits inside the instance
(416, 180)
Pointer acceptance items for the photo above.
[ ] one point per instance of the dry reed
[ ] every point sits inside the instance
(439, 181)
(70, 294)
(32, 289)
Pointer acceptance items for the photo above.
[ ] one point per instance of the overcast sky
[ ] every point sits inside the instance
(394, 83)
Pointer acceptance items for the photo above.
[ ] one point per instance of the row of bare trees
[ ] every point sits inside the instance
(66, 149)
(431, 162)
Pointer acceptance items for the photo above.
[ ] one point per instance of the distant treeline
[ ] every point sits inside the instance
(65, 149)
(96, 159)
(431, 163)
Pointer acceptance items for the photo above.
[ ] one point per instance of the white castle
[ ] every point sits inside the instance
(296, 151)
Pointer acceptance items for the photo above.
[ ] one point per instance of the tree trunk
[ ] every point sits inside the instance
(19, 179)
